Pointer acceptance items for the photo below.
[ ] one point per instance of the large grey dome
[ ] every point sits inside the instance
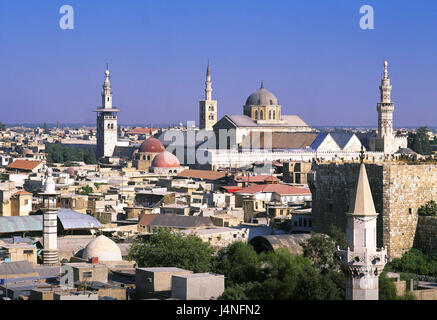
(262, 97)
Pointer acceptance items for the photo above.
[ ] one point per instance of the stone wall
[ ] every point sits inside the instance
(426, 234)
(406, 188)
(398, 191)
(331, 187)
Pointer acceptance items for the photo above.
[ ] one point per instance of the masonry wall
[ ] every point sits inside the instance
(426, 234)
(398, 191)
(331, 188)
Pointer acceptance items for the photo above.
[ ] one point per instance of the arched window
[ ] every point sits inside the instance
(211, 117)
(270, 114)
(256, 114)
(274, 114)
(261, 115)
(211, 108)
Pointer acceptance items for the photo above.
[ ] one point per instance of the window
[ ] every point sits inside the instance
(88, 274)
(27, 251)
(274, 114)
(256, 114)
(410, 210)
(270, 114)
(261, 114)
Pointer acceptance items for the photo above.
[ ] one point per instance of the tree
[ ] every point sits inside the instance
(386, 288)
(2, 126)
(321, 249)
(338, 236)
(238, 262)
(85, 190)
(274, 275)
(419, 141)
(429, 209)
(168, 248)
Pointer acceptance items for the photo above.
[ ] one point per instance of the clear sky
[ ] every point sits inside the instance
(311, 54)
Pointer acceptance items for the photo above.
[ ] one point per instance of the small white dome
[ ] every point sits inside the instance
(103, 248)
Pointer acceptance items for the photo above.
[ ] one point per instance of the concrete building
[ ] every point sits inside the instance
(362, 259)
(197, 286)
(156, 280)
(207, 107)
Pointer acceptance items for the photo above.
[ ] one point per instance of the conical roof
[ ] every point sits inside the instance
(362, 200)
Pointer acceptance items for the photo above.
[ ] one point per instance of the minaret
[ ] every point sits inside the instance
(363, 261)
(207, 107)
(385, 107)
(50, 221)
(106, 121)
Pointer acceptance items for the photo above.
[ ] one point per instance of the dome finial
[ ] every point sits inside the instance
(262, 84)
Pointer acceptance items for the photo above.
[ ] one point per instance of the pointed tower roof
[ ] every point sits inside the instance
(362, 200)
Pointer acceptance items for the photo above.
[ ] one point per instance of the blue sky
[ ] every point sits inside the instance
(311, 54)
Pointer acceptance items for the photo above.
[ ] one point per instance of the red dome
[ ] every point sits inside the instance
(152, 145)
(165, 160)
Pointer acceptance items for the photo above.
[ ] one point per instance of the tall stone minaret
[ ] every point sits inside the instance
(106, 121)
(50, 221)
(207, 107)
(363, 261)
(385, 107)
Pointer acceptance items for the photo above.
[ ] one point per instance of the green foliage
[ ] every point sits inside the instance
(167, 248)
(98, 184)
(338, 236)
(387, 289)
(417, 262)
(419, 141)
(429, 209)
(85, 190)
(274, 275)
(2, 126)
(321, 249)
(239, 262)
(58, 153)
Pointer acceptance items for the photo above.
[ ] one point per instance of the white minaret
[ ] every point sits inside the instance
(385, 107)
(207, 107)
(106, 122)
(363, 261)
(50, 221)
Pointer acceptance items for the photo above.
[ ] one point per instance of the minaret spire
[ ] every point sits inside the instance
(385, 70)
(262, 84)
(208, 84)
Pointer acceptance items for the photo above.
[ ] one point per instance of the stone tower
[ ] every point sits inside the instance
(363, 261)
(106, 122)
(50, 221)
(207, 107)
(386, 141)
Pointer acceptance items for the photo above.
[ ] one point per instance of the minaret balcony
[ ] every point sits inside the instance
(366, 258)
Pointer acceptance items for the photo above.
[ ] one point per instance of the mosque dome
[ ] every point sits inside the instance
(102, 248)
(152, 145)
(165, 160)
(262, 97)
